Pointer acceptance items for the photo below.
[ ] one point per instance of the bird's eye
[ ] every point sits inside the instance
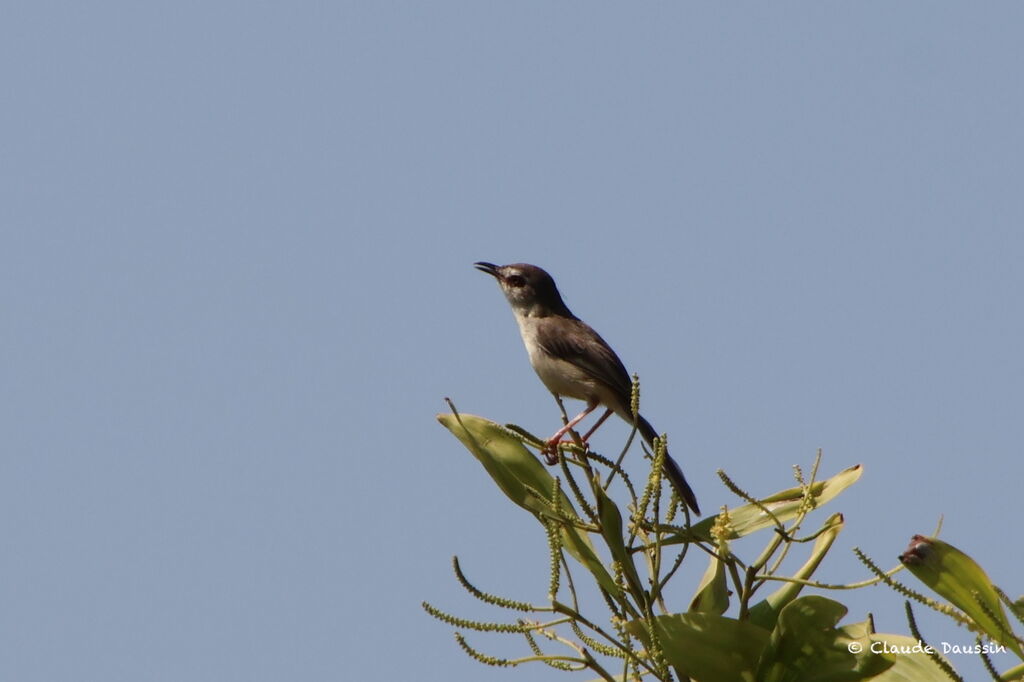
(516, 281)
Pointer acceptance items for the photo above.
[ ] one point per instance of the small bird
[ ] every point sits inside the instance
(572, 359)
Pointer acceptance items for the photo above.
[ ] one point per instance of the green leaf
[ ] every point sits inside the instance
(713, 592)
(957, 577)
(784, 505)
(611, 529)
(806, 647)
(521, 476)
(1017, 607)
(860, 630)
(764, 613)
(1014, 674)
(707, 647)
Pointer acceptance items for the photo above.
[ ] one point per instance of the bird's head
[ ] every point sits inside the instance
(530, 290)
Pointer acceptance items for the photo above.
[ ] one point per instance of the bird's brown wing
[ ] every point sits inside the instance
(588, 351)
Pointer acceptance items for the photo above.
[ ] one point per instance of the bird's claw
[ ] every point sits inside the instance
(550, 449)
(550, 452)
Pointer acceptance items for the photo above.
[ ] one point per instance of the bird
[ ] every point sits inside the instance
(572, 360)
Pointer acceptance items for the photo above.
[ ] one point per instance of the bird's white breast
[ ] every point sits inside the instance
(559, 376)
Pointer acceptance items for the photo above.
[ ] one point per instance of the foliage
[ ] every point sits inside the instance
(974, 602)
(747, 619)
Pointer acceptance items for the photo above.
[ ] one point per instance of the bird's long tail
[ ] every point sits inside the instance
(671, 469)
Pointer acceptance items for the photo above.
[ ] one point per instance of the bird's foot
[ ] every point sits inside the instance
(550, 449)
(550, 452)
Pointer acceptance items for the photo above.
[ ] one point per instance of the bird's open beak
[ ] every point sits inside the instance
(489, 268)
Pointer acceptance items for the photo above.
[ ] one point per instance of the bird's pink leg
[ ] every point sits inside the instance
(596, 424)
(552, 445)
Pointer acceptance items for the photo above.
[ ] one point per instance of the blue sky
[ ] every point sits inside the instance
(236, 276)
